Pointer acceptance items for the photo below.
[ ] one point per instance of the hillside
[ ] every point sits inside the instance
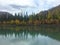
(4, 15)
(52, 11)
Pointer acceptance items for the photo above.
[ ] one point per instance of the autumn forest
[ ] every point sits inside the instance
(51, 16)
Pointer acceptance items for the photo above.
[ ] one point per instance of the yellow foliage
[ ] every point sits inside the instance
(17, 21)
(12, 21)
(23, 22)
(49, 15)
(30, 22)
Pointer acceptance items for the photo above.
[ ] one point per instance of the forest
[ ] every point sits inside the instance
(51, 16)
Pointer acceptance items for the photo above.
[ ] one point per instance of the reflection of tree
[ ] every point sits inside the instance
(23, 31)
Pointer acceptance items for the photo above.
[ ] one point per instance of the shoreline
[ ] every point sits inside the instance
(32, 25)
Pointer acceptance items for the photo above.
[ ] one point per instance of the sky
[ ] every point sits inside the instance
(35, 6)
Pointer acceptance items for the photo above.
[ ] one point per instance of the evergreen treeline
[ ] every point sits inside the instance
(51, 16)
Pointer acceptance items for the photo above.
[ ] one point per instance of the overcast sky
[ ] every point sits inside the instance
(27, 5)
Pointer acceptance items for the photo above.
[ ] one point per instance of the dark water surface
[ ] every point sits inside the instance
(30, 35)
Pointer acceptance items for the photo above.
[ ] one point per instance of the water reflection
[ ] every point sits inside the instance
(30, 35)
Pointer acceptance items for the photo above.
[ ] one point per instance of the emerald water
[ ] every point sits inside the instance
(30, 35)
